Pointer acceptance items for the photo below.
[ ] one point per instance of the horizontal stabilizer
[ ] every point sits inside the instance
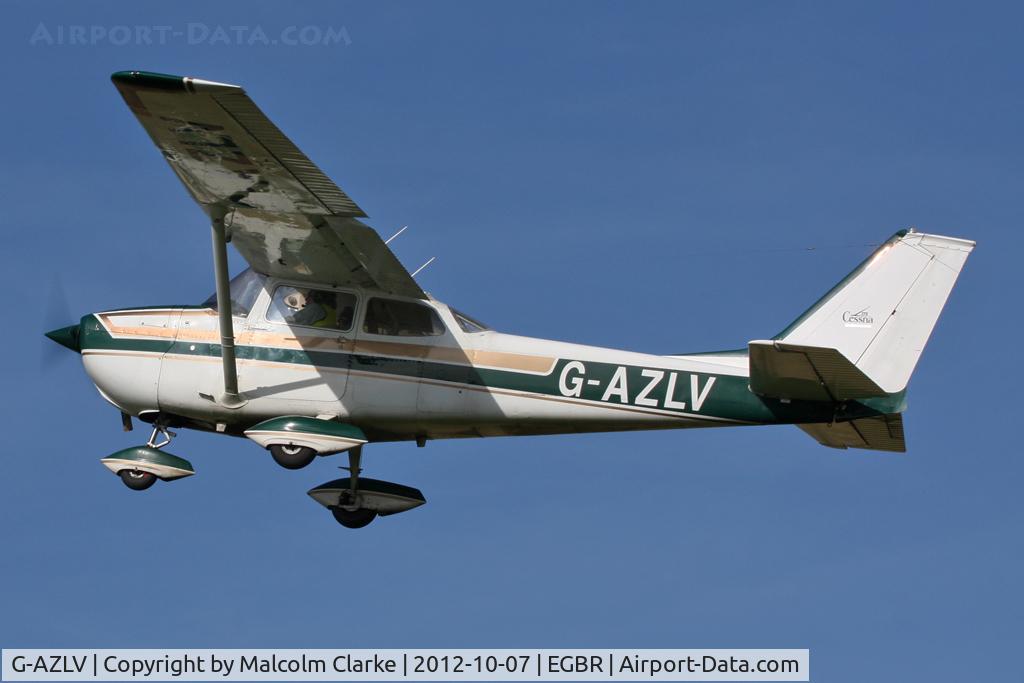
(806, 373)
(878, 433)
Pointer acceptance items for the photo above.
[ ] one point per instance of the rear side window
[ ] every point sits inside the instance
(401, 319)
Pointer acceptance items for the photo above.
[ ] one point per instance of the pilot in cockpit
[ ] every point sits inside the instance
(318, 308)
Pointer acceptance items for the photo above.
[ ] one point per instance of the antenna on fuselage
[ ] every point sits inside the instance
(429, 261)
(388, 240)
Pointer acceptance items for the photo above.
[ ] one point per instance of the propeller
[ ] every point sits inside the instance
(59, 326)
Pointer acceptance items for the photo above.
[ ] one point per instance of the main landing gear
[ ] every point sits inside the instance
(355, 501)
(292, 457)
(348, 512)
(294, 441)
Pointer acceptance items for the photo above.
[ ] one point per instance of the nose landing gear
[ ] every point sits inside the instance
(139, 467)
(137, 480)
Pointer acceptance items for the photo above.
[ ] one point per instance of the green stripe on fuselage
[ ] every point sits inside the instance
(728, 397)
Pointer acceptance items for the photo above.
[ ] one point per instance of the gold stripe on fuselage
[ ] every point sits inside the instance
(500, 360)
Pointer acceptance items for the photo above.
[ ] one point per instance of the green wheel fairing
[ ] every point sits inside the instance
(374, 485)
(144, 455)
(299, 424)
(377, 497)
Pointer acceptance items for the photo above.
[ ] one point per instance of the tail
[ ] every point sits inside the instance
(862, 340)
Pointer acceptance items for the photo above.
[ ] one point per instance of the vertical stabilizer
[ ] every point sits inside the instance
(880, 316)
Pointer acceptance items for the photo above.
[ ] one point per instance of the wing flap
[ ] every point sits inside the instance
(260, 128)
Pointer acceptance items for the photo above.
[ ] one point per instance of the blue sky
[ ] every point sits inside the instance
(647, 176)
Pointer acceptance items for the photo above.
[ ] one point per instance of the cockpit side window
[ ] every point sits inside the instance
(468, 324)
(312, 308)
(245, 288)
(401, 319)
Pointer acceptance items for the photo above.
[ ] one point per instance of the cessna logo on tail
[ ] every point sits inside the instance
(645, 387)
(859, 318)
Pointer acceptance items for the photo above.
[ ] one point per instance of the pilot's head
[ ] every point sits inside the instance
(295, 300)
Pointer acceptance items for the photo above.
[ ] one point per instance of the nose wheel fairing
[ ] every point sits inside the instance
(159, 463)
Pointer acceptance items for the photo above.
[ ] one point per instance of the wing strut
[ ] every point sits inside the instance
(231, 397)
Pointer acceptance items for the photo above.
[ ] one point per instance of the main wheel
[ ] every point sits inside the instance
(136, 480)
(292, 457)
(353, 519)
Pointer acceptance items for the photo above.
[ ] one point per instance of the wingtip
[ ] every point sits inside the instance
(148, 79)
(156, 81)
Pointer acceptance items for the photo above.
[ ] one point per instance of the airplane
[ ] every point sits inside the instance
(326, 343)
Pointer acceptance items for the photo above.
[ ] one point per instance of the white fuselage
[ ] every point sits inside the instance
(453, 384)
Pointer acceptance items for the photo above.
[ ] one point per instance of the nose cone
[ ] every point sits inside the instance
(66, 337)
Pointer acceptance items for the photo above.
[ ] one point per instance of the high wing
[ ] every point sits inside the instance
(282, 213)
